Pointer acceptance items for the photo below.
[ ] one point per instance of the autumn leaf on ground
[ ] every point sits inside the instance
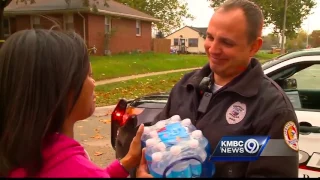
(109, 112)
(100, 115)
(98, 153)
(106, 121)
(97, 136)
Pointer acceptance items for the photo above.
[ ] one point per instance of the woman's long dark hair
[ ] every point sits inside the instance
(38, 70)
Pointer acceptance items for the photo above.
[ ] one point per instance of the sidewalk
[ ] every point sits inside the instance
(108, 81)
(106, 110)
(103, 111)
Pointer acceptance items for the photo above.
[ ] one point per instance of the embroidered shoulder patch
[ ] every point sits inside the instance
(290, 135)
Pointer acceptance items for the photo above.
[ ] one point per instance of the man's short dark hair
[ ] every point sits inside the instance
(252, 13)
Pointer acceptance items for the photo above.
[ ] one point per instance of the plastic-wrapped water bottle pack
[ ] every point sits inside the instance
(176, 149)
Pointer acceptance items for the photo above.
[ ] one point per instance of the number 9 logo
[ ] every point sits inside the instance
(251, 146)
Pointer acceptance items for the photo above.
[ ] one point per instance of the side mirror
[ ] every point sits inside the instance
(290, 84)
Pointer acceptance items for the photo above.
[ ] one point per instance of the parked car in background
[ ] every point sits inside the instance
(298, 73)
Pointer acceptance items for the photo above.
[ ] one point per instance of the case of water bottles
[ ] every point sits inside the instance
(176, 149)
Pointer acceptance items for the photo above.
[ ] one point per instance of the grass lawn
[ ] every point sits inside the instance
(109, 94)
(126, 64)
(263, 56)
(131, 64)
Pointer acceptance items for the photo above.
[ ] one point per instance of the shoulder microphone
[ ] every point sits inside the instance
(205, 85)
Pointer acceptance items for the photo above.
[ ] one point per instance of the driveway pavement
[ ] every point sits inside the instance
(94, 134)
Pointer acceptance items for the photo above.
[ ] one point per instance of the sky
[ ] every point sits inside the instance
(202, 12)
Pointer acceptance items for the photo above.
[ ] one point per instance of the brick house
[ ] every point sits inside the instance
(114, 28)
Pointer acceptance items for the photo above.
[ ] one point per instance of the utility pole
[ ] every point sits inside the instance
(284, 27)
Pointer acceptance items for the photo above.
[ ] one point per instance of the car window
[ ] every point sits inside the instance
(303, 86)
(308, 78)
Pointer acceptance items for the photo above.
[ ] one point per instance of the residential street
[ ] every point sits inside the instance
(94, 134)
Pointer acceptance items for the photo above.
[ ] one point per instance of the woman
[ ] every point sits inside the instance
(46, 85)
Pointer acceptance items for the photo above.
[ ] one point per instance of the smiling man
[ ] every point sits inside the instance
(231, 95)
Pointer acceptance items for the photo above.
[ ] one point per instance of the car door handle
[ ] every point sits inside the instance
(310, 129)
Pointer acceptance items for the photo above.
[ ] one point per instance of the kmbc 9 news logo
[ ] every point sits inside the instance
(239, 148)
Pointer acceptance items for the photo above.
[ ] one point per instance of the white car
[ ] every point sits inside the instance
(298, 73)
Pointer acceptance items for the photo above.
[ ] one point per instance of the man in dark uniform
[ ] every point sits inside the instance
(241, 100)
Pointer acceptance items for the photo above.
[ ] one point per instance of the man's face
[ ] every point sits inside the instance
(227, 45)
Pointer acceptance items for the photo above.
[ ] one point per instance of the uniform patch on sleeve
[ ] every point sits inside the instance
(290, 135)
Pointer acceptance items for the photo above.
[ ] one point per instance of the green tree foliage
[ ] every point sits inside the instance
(273, 11)
(297, 43)
(315, 38)
(170, 12)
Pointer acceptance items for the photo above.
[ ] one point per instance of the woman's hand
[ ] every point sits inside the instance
(132, 159)
(142, 171)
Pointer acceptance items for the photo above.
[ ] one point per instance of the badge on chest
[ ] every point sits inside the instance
(236, 113)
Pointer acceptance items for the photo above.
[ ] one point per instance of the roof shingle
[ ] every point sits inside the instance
(43, 6)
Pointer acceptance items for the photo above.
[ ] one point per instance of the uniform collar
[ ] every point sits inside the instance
(247, 84)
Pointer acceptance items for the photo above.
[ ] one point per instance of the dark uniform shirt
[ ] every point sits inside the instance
(266, 111)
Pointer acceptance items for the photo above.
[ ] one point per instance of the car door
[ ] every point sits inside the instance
(308, 86)
(305, 97)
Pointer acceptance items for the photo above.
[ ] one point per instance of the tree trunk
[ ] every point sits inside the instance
(3, 4)
(1, 23)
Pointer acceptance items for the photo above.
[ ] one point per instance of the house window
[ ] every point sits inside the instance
(6, 27)
(107, 23)
(69, 22)
(176, 42)
(35, 22)
(193, 42)
(138, 28)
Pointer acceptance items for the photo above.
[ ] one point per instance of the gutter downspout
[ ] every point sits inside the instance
(84, 27)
